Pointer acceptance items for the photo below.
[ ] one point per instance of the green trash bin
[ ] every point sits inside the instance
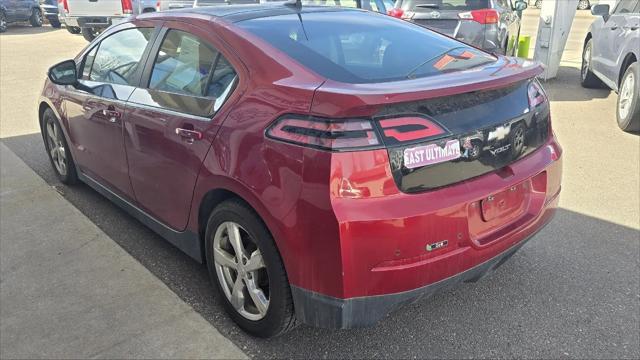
(523, 46)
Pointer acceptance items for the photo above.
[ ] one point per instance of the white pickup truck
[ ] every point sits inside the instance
(90, 17)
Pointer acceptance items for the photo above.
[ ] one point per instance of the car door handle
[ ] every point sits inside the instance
(635, 27)
(113, 115)
(189, 135)
(613, 28)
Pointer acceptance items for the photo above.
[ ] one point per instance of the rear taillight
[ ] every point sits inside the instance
(65, 5)
(343, 135)
(408, 129)
(483, 16)
(127, 7)
(536, 94)
(158, 5)
(396, 13)
(325, 134)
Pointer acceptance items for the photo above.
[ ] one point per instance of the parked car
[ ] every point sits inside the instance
(492, 25)
(163, 5)
(50, 11)
(328, 164)
(12, 11)
(610, 58)
(92, 17)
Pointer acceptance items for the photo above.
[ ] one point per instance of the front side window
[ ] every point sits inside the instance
(626, 6)
(118, 57)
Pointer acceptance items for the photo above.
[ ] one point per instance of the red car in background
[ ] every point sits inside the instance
(329, 165)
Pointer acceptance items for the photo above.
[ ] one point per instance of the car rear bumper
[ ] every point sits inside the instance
(92, 21)
(386, 254)
(329, 312)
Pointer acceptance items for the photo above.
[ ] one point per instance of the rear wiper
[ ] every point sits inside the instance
(430, 6)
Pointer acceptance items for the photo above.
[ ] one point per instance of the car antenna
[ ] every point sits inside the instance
(294, 3)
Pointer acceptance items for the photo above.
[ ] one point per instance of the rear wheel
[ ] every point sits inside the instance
(583, 4)
(538, 4)
(57, 148)
(628, 109)
(587, 78)
(90, 33)
(73, 29)
(247, 271)
(3, 22)
(36, 18)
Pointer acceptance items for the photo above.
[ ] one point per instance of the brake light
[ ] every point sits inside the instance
(127, 7)
(408, 128)
(65, 5)
(396, 13)
(158, 5)
(536, 94)
(482, 16)
(325, 134)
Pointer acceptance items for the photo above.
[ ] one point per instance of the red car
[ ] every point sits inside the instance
(328, 165)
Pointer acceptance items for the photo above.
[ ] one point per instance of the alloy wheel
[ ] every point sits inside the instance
(38, 17)
(56, 148)
(3, 22)
(241, 271)
(583, 4)
(586, 61)
(626, 95)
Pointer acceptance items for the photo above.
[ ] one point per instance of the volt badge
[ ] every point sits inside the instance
(437, 245)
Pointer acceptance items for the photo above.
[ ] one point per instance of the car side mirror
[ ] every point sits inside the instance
(600, 10)
(520, 5)
(64, 73)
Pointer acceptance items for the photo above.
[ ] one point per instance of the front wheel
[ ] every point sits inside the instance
(3, 22)
(628, 109)
(36, 18)
(73, 29)
(55, 23)
(587, 78)
(90, 33)
(247, 271)
(57, 149)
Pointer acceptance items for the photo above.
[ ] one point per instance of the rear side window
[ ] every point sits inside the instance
(118, 57)
(457, 5)
(364, 47)
(187, 65)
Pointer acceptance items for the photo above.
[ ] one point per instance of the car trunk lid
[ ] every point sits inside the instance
(480, 121)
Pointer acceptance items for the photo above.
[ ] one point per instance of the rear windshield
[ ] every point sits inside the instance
(456, 5)
(364, 47)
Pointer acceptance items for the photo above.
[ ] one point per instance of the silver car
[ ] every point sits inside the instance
(492, 25)
(611, 58)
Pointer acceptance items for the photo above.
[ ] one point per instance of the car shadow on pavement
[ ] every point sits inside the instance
(572, 291)
(26, 29)
(566, 87)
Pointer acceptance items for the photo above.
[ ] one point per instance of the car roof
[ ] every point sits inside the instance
(235, 13)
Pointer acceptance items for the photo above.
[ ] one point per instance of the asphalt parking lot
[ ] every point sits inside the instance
(572, 291)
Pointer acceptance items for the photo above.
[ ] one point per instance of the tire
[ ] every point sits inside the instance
(36, 19)
(73, 29)
(538, 4)
(279, 316)
(583, 5)
(628, 116)
(55, 24)
(3, 22)
(89, 34)
(57, 149)
(587, 78)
